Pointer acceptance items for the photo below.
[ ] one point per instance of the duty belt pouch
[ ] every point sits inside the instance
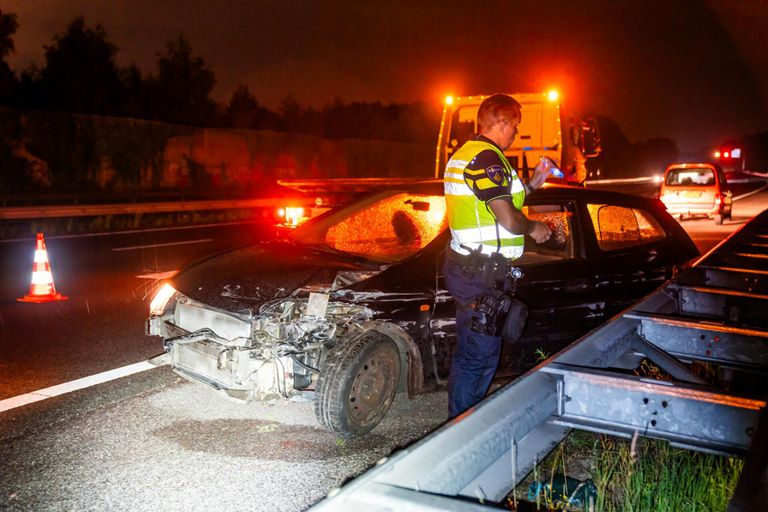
(515, 321)
(496, 311)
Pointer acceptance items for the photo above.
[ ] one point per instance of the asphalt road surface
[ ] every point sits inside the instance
(151, 440)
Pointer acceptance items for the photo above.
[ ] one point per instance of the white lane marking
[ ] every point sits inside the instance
(68, 387)
(159, 275)
(742, 196)
(185, 242)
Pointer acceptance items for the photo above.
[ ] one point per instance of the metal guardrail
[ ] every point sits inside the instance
(49, 212)
(715, 313)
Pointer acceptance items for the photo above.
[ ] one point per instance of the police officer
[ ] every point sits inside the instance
(484, 198)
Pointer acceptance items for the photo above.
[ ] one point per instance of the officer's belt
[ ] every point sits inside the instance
(471, 262)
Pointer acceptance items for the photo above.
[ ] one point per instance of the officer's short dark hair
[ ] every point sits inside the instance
(495, 108)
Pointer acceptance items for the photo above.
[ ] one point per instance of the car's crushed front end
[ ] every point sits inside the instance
(253, 356)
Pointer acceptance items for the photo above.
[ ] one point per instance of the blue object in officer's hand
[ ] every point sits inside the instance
(554, 170)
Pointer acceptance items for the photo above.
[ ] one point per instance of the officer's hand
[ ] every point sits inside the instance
(540, 173)
(540, 232)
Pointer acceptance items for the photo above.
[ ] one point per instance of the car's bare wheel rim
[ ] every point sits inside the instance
(374, 384)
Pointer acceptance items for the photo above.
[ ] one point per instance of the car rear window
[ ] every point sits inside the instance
(390, 229)
(619, 227)
(691, 177)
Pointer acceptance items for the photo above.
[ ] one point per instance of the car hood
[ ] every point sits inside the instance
(247, 277)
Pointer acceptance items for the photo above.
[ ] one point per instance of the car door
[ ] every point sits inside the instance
(632, 252)
(555, 287)
(558, 285)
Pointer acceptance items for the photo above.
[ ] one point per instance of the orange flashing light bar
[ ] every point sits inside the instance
(553, 95)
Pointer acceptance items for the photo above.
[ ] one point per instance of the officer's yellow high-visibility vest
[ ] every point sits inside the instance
(471, 221)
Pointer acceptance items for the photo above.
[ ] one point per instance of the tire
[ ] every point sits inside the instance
(357, 384)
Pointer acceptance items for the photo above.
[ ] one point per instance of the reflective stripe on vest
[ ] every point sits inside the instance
(471, 221)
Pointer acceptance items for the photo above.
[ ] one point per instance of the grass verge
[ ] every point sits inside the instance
(649, 476)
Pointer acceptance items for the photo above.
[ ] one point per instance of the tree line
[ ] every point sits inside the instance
(81, 75)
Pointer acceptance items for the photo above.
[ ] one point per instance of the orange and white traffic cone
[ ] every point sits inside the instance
(42, 288)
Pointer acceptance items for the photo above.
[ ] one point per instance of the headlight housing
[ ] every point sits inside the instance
(164, 294)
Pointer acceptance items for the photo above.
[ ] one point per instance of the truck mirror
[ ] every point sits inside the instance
(574, 134)
(589, 137)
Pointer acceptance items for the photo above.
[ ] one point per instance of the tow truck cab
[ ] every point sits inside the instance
(540, 134)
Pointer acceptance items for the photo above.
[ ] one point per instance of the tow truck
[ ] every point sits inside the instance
(540, 135)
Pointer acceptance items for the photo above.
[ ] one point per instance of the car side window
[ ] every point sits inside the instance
(619, 227)
(390, 229)
(560, 246)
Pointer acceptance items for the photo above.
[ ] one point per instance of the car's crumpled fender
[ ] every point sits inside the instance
(411, 380)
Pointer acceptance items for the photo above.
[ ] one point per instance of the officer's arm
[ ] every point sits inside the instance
(515, 222)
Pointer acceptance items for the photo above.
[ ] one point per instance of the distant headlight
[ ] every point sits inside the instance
(160, 300)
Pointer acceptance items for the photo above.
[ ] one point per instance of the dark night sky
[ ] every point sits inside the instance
(695, 71)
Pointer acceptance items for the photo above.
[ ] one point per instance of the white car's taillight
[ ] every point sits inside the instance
(160, 300)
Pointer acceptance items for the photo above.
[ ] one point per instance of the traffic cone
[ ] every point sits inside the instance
(42, 288)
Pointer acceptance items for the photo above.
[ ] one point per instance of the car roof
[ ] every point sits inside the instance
(691, 165)
(551, 191)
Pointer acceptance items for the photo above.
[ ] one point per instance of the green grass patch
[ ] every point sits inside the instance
(652, 476)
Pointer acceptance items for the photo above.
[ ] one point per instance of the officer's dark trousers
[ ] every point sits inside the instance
(477, 355)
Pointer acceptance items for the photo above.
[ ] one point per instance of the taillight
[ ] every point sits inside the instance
(718, 198)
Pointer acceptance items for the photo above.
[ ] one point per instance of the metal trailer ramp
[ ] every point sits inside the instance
(715, 313)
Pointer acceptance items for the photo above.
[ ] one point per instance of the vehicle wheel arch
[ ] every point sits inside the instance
(412, 378)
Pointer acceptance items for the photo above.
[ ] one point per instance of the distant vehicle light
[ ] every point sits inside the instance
(726, 154)
(553, 95)
(658, 178)
(449, 100)
(718, 154)
(736, 153)
(161, 298)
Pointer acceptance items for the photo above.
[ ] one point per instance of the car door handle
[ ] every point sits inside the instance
(652, 255)
(576, 285)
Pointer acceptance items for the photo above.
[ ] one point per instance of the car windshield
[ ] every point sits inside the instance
(693, 177)
(388, 227)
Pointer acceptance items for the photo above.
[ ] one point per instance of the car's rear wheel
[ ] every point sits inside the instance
(357, 384)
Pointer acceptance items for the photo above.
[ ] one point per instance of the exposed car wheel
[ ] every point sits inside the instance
(718, 219)
(357, 384)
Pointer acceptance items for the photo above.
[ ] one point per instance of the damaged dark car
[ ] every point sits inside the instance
(352, 306)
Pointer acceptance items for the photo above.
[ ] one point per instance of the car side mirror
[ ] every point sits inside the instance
(421, 206)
